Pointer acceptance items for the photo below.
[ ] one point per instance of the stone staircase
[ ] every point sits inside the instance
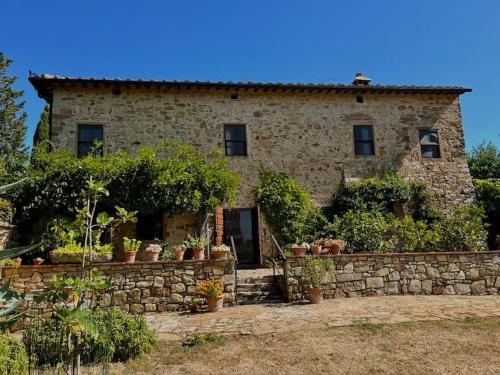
(259, 286)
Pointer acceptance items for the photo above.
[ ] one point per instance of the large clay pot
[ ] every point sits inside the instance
(316, 249)
(152, 252)
(215, 304)
(129, 256)
(17, 262)
(179, 254)
(198, 253)
(314, 295)
(38, 261)
(299, 251)
(218, 254)
(335, 249)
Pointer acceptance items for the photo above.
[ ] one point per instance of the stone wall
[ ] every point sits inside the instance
(138, 287)
(419, 273)
(7, 232)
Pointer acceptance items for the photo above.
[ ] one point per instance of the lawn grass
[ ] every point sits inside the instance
(467, 346)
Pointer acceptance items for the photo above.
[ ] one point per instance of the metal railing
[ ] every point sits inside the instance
(235, 255)
(282, 255)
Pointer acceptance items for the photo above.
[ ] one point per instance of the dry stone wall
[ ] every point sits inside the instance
(139, 287)
(388, 274)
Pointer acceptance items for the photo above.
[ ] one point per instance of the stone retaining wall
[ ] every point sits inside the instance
(464, 273)
(138, 287)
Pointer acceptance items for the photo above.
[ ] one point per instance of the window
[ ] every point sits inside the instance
(235, 139)
(429, 143)
(87, 135)
(363, 140)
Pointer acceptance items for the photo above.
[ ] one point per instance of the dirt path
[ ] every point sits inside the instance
(262, 319)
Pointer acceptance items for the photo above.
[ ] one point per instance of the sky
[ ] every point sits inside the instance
(424, 42)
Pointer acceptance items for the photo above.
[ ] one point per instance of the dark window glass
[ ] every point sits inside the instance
(363, 140)
(150, 226)
(235, 139)
(429, 143)
(87, 136)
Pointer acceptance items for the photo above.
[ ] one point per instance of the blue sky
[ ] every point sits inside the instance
(400, 42)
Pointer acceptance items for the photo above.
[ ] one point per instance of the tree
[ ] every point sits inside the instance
(13, 151)
(41, 136)
(484, 161)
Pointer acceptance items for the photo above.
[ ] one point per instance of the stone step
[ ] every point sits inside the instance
(255, 280)
(257, 286)
(257, 294)
(260, 301)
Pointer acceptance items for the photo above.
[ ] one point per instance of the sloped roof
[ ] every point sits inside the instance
(45, 83)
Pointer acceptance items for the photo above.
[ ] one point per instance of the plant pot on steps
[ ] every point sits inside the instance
(215, 304)
(316, 249)
(198, 253)
(152, 252)
(299, 251)
(314, 295)
(129, 256)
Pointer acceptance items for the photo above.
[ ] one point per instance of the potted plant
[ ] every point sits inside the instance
(300, 250)
(316, 247)
(73, 253)
(331, 246)
(220, 252)
(17, 262)
(130, 249)
(38, 261)
(179, 252)
(197, 245)
(212, 291)
(315, 272)
(152, 251)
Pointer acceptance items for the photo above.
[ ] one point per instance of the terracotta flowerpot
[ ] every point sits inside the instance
(193, 307)
(218, 254)
(215, 304)
(299, 251)
(198, 253)
(152, 252)
(315, 295)
(179, 254)
(316, 249)
(129, 256)
(334, 249)
(18, 262)
(38, 261)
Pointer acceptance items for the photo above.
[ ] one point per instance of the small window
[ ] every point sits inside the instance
(88, 135)
(235, 139)
(429, 143)
(363, 140)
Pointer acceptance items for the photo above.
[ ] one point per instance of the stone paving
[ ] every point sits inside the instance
(273, 318)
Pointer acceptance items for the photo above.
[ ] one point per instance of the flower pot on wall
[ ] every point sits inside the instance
(129, 256)
(152, 252)
(38, 261)
(316, 249)
(215, 304)
(299, 251)
(314, 295)
(198, 253)
(179, 254)
(218, 254)
(18, 262)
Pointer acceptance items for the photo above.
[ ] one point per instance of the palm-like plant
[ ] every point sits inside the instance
(10, 301)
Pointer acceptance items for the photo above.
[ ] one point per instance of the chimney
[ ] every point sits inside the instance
(361, 80)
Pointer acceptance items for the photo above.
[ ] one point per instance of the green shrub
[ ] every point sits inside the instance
(363, 231)
(203, 339)
(462, 230)
(317, 271)
(288, 208)
(6, 210)
(122, 336)
(484, 161)
(13, 357)
(414, 235)
(488, 198)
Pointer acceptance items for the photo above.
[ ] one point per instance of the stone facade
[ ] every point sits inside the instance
(468, 273)
(305, 133)
(7, 232)
(139, 287)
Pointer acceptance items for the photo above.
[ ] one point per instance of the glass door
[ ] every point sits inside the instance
(241, 224)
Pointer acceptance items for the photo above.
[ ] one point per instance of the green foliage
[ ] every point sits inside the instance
(131, 244)
(203, 339)
(13, 357)
(11, 301)
(484, 161)
(371, 194)
(13, 151)
(194, 242)
(317, 271)
(6, 210)
(414, 235)
(488, 198)
(363, 231)
(115, 336)
(41, 136)
(288, 208)
(462, 230)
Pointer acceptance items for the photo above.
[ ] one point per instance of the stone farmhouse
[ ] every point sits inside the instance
(321, 134)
